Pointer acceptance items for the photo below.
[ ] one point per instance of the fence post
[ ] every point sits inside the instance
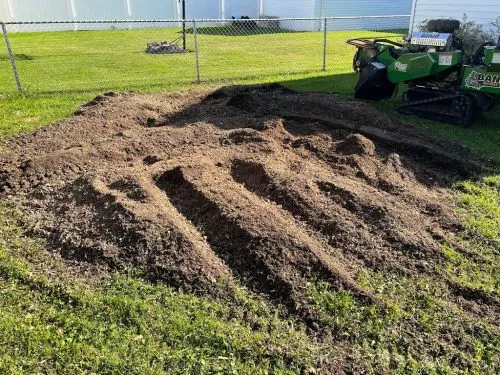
(11, 57)
(324, 43)
(195, 35)
(412, 17)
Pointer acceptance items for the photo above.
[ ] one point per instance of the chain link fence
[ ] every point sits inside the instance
(111, 55)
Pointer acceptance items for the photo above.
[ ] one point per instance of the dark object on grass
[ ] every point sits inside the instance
(164, 48)
(242, 23)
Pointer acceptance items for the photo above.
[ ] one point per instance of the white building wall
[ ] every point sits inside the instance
(65, 10)
(481, 11)
(208, 9)
(4, 11)
(293, 9)
(40, 10)
(239, 8)
(350, 8)
(153, 9)
(213, 9)
(101, 9)
(347, 8)
(37, 10)
(58, 10)
(341, 8)
(290, 8)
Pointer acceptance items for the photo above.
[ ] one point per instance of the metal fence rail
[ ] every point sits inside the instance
(110, 54)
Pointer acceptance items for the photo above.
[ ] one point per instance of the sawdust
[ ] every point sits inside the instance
(263, 185)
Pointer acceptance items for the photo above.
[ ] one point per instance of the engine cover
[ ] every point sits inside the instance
(432, 39)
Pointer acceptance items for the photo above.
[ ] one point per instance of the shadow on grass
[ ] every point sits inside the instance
(188, 83)
(341, 84)
(239, 30)
(483, 137)
(20, 57)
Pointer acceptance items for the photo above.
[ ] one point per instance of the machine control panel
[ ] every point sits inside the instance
(431, 39)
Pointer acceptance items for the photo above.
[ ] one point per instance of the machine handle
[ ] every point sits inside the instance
(362, 42)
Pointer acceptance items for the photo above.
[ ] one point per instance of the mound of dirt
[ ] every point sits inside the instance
(356, 144)
(260, 184)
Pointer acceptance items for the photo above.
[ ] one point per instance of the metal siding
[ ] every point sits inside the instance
(4, 11)
(344, 8)
(238, 8)
(203, 9)
(481, 11)
(57, 10)
(101, 9)
(95, 10)
(336, 8)
(290, 8)
(153, 9)
(41, 10)
(60, 10)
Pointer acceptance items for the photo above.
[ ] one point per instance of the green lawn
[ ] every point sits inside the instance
(52, 321)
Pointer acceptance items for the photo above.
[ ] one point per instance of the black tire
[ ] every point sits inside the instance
(448, 26)
(355, 61)
(472, 111)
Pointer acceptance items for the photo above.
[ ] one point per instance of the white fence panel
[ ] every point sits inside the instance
(153, 9)
(101, 10)
(40, 10)
(336, 8)
(208, 9)
(5, 15)
(482, 12)
(239, 8)
(292, 8)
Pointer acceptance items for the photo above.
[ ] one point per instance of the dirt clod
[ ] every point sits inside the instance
(356, 144)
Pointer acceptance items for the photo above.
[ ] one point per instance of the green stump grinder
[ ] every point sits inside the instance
(443, 83)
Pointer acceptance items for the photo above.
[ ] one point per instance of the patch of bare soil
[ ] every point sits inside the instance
(261, 184)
